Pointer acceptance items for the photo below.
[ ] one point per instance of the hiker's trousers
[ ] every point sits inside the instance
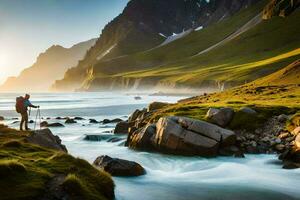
(24, 119)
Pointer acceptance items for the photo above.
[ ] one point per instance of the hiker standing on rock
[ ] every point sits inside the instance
(22, 104)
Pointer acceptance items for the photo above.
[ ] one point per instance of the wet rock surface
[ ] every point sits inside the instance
(121, 128)
(119, 167)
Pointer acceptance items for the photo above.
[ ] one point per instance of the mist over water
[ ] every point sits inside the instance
(168, 177)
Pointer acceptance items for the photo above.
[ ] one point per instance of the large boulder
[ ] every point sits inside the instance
(156, 105)
(45, 138)
(121, 128)
(119, 167)
(221, 117)
(141, 139)
(1, 118)
(181, 135)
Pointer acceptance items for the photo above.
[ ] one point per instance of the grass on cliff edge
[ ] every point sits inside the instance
(27, 171)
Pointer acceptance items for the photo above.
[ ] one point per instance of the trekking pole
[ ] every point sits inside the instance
(35, 119)
(40, 117)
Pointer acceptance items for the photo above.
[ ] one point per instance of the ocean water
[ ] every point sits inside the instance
(168, 177)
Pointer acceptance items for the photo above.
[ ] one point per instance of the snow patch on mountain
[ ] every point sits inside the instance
(175, 36)
(199, 28)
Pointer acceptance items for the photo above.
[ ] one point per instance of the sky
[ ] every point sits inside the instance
(29, 27)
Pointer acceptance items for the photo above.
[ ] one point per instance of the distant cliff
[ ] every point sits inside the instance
(49, 66)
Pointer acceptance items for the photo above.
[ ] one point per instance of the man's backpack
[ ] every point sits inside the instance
(20, 107)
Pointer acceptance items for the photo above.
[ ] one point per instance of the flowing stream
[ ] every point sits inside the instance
(168, 177)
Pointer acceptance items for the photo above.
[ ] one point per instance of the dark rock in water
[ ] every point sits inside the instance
(116, 120)
(70, 121)
(137, 98)
(114, 139)
(107, 121)
(78, 118)
(93, 121)
(97, 137)
(56, 124)
(46, 124)
(15, 122)
(45, 138)
(14, 118)
(48, 118)
(119, 167)
(121, 128)
(93, 137)
(1, 118)
(58, 118)
(184, 136)
(290, 158)
(231, 151)
(221, 117)
(31, 122)
(156, 105)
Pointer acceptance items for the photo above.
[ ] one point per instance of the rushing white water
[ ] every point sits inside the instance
(168, 177)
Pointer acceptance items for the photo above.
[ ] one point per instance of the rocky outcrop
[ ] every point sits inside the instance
(291, 155)
(119, 167)
(45, 138)
(1, 118)
(221, 117)
(184, 136)
(121, 128)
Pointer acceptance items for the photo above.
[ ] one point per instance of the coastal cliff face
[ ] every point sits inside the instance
(142, 26)
(49, 66)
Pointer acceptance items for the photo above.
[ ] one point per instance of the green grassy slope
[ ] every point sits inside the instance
(258, 52)
(27, 171)
(269, 96)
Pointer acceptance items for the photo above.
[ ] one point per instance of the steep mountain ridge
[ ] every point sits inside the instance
(49, 66)
(145, 24)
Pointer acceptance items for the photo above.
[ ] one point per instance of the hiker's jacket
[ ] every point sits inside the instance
(27, 104)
